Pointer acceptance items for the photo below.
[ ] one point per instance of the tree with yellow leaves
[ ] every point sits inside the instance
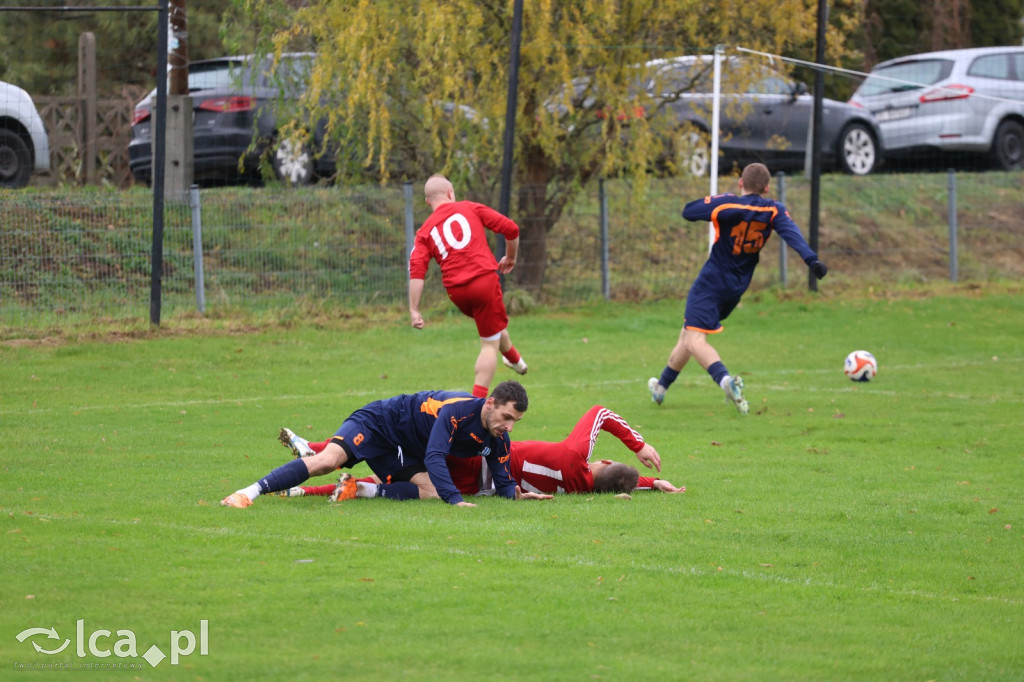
(419, 87)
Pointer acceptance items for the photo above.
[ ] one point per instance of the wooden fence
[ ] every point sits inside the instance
(88, 136)
(111, 132)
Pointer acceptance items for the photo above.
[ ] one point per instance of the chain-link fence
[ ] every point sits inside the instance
(73, 257)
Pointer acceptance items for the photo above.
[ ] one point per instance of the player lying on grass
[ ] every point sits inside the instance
(538, 466)
(405, 440)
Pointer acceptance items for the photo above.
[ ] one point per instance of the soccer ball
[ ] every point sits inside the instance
(860, 365)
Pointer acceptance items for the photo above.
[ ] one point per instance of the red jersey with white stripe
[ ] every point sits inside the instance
(455, 236)
(563, 467)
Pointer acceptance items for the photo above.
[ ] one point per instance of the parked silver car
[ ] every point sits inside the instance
(956, 101)
(24, 146)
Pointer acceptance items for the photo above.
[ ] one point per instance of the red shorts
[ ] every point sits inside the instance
(466, 473)
(481, 299)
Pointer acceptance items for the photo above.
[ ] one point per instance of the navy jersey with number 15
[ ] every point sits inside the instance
(742, 226)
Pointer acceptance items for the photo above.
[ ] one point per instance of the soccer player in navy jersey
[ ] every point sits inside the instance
(405, 440)
(454, 235)
(742, 225)
(537, 466)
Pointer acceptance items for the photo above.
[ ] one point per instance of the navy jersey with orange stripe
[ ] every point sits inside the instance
(430, 425)
(742, 226)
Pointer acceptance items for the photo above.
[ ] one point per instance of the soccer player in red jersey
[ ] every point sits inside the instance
(454, 235)
(537, 466)
(742, 226)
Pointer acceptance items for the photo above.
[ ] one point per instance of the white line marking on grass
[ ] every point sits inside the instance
(871, 388)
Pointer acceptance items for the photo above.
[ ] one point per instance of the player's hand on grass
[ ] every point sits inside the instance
(666, 487)
(520, 495)
(416, 319)
(464, 504)
(818, 268)
(649, 456)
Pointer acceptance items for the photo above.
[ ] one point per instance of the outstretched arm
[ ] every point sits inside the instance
(666, 487)
(415, 294)
(520, 495)
(509, 260)
(649, 457)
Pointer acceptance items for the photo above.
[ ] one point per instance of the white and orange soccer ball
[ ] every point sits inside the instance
(860, 365)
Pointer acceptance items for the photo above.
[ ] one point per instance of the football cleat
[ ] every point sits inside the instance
(238, 500)
(734, 391)
(346, 488)
(296, 491)
(297, 444)
(518, 367)
(656, 389)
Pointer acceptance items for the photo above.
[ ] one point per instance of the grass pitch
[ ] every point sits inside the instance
(840, 531)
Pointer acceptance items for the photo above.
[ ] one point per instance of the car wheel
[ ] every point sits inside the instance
(1008, 146)
(293, 163)
(858, 151)
(693, 157)
(15, 160)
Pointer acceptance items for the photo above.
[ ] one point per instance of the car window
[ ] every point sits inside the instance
(990, 66)
(770, 84)
(224, 74)
(1018, 64)
(904, 76)
(695, 76)
(214, 75)
(290, 74)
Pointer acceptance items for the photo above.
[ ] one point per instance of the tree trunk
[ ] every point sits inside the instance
(534, 225)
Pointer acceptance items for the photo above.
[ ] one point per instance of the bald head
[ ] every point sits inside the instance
(438, 190)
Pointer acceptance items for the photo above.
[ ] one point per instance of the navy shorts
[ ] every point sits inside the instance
(707, 305)
(385, 459)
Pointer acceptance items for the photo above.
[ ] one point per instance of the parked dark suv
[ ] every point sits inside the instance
(237, 101)
(764, 117)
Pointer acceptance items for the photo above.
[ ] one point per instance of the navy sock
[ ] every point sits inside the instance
(283, 477)
(668, 376)
(402, 490)
(718, 372)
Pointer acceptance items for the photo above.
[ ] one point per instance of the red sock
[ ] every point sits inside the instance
(479, 391)
(323, 490)
(512, 355)
(318, 447)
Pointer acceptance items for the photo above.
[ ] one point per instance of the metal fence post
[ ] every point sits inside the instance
(606, 287)
(197, 246)
(951, 218)
(410, 229)
(782, 244)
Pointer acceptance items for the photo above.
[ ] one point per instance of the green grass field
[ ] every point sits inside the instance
(841, 531)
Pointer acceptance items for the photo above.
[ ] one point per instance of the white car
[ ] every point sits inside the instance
(967, 102)
(24, 146)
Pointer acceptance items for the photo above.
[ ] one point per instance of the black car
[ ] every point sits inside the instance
(236, 104)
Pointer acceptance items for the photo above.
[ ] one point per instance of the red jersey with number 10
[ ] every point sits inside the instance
(454, 236)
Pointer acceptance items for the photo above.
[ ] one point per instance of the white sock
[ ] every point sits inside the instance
(364, 489)
(252, 492)
(724, 383)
